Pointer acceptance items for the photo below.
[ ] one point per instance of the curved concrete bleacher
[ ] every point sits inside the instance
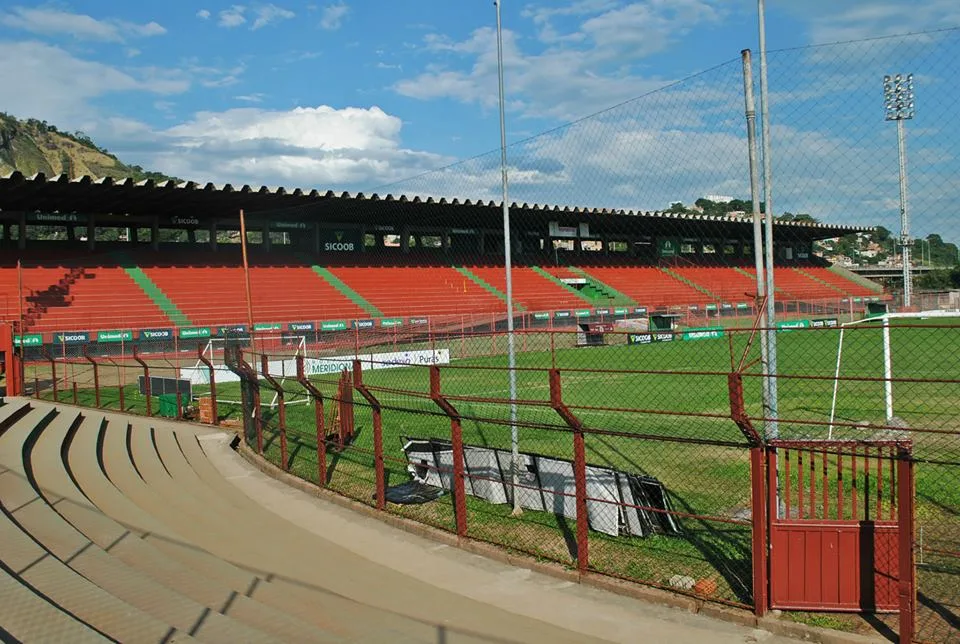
(119, 528)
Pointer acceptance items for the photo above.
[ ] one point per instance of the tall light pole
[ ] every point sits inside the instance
(899, 106)
(772, 411)
(508, 268)
(751, 116)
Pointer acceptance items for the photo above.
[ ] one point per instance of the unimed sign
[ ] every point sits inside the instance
(114, 336)
(195, 332)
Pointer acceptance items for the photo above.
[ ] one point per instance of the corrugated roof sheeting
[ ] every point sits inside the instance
(126, 196)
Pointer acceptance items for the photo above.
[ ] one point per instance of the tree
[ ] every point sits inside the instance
(940, 280)
(739, 205)
(801, 217)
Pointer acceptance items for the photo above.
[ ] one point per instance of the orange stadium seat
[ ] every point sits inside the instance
(75, 293)
(74, 290)
(534, 292)
(210, 295)
(649, 286)
(727, 284)
(419, 290)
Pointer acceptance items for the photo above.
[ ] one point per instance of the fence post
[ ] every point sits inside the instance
(758, 498)
(249, 391)
(96, 376)
(281, 405)
(738, 412)
(254, 384)
(758, 515)
(319, 420)
(213, 383)
(120, 389)
(377, 433)
(456, 440)
(146, 379)
(905, 519)
(53, 374)
(579, 470)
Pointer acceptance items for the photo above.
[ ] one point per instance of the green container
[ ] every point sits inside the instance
(168, 405)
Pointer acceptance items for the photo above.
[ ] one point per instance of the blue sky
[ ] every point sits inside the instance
(355, 95)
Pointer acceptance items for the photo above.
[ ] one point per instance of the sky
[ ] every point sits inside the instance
(373, 96)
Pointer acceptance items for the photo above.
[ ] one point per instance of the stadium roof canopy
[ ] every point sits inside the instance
(125, 197)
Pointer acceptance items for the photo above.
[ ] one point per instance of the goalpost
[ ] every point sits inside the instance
(214, 352)
(884, 321)
(295, 344)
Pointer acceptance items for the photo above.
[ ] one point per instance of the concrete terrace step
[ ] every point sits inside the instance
(198, 529)
(122, 543)
(274, 547)
(30, 617)
(70, 546)
(119, 528)
(237, 593)
(35, 566)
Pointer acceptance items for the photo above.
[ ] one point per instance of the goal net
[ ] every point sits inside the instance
(228, 391)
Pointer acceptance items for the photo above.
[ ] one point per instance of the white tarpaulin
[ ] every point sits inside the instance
(548, 484)
(604, 515)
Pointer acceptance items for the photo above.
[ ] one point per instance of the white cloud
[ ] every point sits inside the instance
(232, 17)
(203, 14)
(212, 76)
(62, 86)
(262, 16)
(319, 147)
(250, 98)
(53, 22)
(270, 13)
(834, 22)
(568, 74)
(333, 16)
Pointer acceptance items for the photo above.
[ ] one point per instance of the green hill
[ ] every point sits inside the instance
(33, 146)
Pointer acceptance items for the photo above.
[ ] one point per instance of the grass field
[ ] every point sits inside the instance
(676, 390)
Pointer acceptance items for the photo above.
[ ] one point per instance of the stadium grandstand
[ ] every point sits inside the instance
(106, 256)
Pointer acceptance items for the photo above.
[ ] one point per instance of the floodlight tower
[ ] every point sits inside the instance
(899, 106)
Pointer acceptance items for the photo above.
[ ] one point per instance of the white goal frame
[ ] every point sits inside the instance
(884, 320)
(211, 349)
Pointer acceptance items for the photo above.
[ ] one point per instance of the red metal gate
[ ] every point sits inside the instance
(834, 529)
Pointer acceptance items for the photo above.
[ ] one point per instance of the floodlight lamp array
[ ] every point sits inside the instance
(898, 98)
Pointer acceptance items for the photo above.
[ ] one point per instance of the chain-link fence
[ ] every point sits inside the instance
(638, 457)
(372, 356)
